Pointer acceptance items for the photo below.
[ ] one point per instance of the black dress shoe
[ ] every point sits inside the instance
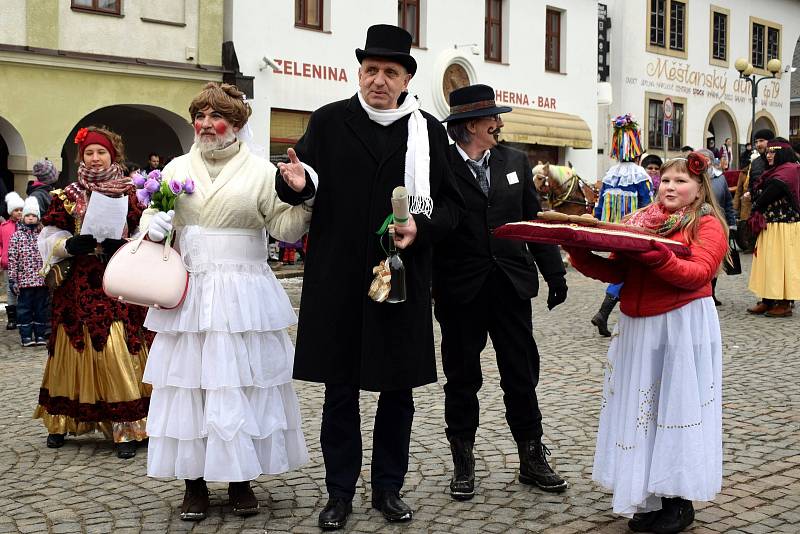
(243, 500)
(388, 502)
(675, 516)
(534, 469)
(334, 515)
(126, 450)
(643, 522)
(55, 441)
(462, 485)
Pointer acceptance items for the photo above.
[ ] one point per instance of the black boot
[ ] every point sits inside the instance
(600, 319)
(714, 292)
(534, 469)
(126, 450)
(675, 516)
(643, 522)
(195, 500)
(55, 441)
(243, 500)
(334, 515)
(462, 485)
(11, 313)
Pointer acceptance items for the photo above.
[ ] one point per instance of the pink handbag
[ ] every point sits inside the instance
(147, 274)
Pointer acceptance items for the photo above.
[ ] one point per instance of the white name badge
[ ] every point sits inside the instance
(512, 178)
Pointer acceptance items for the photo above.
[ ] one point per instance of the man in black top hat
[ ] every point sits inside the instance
(357, 151)
(483, 286)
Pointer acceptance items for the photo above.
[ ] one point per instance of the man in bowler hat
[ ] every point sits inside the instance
(354, 153)
(483, 286)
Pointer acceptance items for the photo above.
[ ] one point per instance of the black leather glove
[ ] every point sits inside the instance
(110, 246)
(80, 244)
(557, 292)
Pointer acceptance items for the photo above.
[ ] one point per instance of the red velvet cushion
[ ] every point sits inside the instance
(604, 239)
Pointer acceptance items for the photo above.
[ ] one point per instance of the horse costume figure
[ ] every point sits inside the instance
(563, 189)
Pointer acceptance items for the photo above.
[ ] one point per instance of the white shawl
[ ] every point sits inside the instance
(418, 157)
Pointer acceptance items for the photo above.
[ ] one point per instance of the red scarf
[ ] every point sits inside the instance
(110, 182)
(657, 219)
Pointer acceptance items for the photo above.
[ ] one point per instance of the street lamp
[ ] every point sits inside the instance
(746, 72)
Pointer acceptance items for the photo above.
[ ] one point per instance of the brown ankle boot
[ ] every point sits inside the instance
(781, 309)
(242, 498)
(195, 500)
(760, 308)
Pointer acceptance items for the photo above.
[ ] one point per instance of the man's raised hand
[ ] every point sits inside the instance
(293, 173)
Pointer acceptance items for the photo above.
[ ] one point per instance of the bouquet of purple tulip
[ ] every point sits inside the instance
(152, 191)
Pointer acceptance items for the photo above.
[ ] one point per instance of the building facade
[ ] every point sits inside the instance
(537, 54)
(686, 50)
(131, 65)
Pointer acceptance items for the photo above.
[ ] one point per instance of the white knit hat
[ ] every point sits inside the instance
(31, 207)
(13, 201)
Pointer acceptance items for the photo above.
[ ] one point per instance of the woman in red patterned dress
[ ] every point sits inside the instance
(98, 348)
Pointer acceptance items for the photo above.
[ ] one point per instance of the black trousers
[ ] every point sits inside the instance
(340, 438)
(497, 311)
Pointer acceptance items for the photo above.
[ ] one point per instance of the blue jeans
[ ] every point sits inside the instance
(33, 314)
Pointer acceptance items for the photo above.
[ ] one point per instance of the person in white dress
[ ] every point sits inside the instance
(223, 406)
(659, 443)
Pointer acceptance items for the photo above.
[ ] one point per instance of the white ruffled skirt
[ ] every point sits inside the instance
(660, 428)
(223, 406)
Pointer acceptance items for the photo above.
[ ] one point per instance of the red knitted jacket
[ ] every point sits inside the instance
(678, 281)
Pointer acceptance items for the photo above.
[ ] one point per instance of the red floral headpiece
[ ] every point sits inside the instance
(81, 135)
(84, 138)
(697, 163)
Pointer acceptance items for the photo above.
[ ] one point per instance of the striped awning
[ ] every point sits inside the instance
(539, 127)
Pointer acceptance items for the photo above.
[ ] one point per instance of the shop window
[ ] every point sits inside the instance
(667, 26)
(552, 47)
(655, 126)
(408, 15)
(794, 128)
(765, 42)
(100, 6)
(286, 128)
(308, 14)
(493, 47)
(719, 35)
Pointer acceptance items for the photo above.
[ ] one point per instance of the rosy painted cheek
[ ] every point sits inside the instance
(220, 128)
(197, 127)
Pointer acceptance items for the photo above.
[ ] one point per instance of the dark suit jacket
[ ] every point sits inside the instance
(465, 258)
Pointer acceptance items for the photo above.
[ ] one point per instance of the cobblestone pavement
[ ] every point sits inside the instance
(83, 487)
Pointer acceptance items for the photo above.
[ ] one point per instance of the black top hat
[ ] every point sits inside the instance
(389, 42)
(473, 101)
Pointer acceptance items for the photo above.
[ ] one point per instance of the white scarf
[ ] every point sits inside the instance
(418, 157)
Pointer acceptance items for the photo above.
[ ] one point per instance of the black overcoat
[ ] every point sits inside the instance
(468, 255)
(343, 336)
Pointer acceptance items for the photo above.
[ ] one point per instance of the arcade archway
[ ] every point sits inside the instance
(144, 129)
(13, 156)
(721, 124)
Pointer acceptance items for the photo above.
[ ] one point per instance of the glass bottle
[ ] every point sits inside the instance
(397, 289)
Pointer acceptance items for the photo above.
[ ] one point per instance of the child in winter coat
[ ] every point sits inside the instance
(24, 264)
(14, 204)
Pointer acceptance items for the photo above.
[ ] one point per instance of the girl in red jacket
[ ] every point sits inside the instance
(659, 443)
